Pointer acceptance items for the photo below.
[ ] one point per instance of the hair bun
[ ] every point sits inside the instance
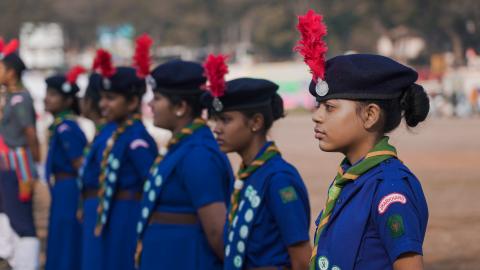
(415, 105)
(277, 107)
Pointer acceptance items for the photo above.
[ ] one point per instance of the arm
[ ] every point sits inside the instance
(212, 218)
(300, 255)
(409, 261)
(32, 141)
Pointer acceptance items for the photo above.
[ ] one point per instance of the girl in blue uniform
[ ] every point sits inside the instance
(184, 201)
(66, 143)
(376, 215)
(89, 173)
(269, 215)
(126, 159)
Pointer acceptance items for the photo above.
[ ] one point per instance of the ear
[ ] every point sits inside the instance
(256, 122)
(371, 115)
(181, 109)
(133, 104)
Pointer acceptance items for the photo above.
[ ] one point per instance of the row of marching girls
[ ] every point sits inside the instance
(180, 208)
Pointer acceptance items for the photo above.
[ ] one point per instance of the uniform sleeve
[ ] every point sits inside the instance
(142, 153)
(397, 218)
(204, 177)
(72, 139)
(290, 209)
(23, 111)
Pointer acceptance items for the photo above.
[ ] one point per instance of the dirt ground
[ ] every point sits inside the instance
(443, 153)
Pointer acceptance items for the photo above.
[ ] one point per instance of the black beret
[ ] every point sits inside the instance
(94, 85)
(242, 93)
(363, 76)
(60, 84)
(178, 77)
(124, 81)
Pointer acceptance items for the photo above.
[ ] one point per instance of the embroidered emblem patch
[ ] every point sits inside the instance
(16, 100)
(288, 194)
(391, 198)
(395, 224)
(138, 143)
(62, 128)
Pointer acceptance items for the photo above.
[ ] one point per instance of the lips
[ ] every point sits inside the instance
(319, 134)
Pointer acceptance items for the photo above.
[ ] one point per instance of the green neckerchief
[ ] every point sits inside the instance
(58, 119)
(379, 153)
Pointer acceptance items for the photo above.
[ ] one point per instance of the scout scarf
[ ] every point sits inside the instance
(109, 167)
(244, 207)
(243, 173)
(379, 153)
(159, 171)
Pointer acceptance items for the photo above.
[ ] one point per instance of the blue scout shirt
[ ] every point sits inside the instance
(65, 146)
(200, 178)
(91, 168)
(274, 213)
(380, 216)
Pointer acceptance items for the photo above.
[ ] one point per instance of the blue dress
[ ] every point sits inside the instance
(193, 174)
(131, 157)
(91, 245)
(273, 214)
(378, 217)
(64, 243)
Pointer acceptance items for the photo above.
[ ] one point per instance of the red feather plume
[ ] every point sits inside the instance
(141, 58)
(312, 46)
(73, 74)
(2, 44)
(11, 47)
(103, 63)
(215, 70)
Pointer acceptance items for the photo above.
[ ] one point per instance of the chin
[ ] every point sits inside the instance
(326, 147)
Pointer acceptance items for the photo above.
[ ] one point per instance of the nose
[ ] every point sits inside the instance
(317, 116)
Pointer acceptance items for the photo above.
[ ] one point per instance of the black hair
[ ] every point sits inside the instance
(270, 112)
(94, 96)
(413, 106)
(193, 101)
(15, 63)
(75, 106)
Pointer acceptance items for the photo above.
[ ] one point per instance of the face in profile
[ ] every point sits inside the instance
(232, 131)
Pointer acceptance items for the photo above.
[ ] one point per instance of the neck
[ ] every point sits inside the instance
(13, 87)
(251, 150)
(361, 149)
(181, 123)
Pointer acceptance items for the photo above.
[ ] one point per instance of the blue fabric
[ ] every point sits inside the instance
(358, 236)
(19, 213)
(364, 76)
(276, 224)
(64, 242)
(65, 146)
(135, 150)
(201, 176)
(91, 165)
(64, 231)
(91, 245)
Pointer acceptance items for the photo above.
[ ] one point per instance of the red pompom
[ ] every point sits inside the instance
(11, 47)
(103, 63)
(73, 74)
(141, 58)
(312, 46)
(215, 70)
